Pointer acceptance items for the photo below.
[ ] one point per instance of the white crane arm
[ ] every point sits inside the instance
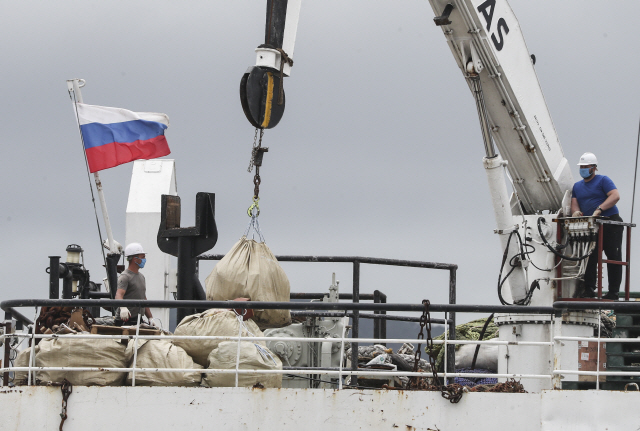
(486, 33)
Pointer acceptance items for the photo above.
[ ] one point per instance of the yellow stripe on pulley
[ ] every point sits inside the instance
(269, 102)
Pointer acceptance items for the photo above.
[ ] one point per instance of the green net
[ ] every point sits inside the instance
(466, 331)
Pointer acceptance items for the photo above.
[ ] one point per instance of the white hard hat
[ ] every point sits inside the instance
(588, 159)
(133, 249)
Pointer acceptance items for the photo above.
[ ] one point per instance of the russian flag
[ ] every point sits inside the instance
(113, 136)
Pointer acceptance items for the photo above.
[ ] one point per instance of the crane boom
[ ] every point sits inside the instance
(485, 39)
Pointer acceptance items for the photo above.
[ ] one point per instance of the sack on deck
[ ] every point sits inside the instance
(211, 322)
(250, 270)
(251, 358)
(487, 357)
(163, 354)
(82, 352)
(22, 360)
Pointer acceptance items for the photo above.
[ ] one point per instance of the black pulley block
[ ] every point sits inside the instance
(260, 94)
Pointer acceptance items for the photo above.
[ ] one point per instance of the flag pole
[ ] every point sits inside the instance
(75, 85)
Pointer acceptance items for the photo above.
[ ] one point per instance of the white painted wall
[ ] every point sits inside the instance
(167, 408)
(149, 180)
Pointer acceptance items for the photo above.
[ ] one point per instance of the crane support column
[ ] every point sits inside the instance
(506, 227)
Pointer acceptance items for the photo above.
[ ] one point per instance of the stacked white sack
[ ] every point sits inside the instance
(250, 270)
(251, 358)
(163, 354)
(22, 360)
(82, 352)
(211, 323)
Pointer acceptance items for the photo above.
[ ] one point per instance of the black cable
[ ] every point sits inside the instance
(535, 285)
(500, 279)
(484, 329)
(544, 241)
(86, 162)
(295, 376)
(527, 253)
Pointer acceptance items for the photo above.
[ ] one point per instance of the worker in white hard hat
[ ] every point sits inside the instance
(597, 195)
(132, 285)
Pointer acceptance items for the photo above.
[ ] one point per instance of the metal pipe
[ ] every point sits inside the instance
(301, 295)
(627, 276)
(67, 286)
(186, 271)
(418, 308)
(451, 350)
(54, 277)
(630, 306)
(7, 351)
(355, 330)
(600, 236)
(112, 273)
(374, 317)
(349, 259)
(376, 323)
(482, 116)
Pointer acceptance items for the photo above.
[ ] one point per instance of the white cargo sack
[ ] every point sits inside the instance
(251, 358)
(82, 352)
(222, 323)
(250, 270)
(487, 357)
(163, 354)
(22, 360)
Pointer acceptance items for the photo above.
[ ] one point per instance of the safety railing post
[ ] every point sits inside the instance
(627, 277)
(344, 329)
(557, 350)
(450, 351)
(446, 352)
(135, 352)
(7, 353)
(598, 354)
(376, 322)
(600, 236)
(355, 330)
(32, 354)
(238, 349)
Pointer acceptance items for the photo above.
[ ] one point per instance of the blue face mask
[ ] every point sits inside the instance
(585, 172)
(142, 262)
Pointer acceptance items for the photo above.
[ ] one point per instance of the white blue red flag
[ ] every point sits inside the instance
(113, 136)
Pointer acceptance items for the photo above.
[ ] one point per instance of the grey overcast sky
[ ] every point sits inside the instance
(379, 152)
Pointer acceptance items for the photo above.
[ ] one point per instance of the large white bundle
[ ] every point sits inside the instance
(163, 354)
(224, 357)
(487, 357)
(22, 360)
(81, 352)
(212, 322)
(250, 270)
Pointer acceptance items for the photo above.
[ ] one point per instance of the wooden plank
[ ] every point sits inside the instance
(106, 330)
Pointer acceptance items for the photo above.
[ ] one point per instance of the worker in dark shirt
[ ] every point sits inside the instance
(597, 195)
(132, 285)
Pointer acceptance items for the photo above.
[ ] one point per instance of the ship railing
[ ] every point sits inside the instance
(555, 313)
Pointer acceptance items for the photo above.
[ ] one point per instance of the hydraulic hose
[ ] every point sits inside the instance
(535, 285)
(560, 255)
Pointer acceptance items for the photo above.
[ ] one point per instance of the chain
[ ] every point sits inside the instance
(452, 392)
(257, 153)
(66, 390)
(254, 150)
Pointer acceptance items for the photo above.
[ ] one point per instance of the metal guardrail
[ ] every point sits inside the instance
(555, 312)
(356, 261)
